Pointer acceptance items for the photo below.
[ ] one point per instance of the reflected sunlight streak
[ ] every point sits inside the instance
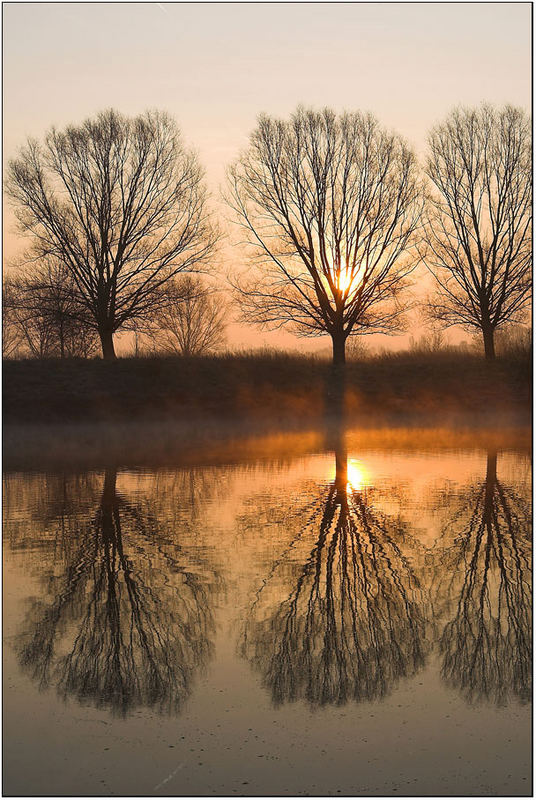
(358, 476)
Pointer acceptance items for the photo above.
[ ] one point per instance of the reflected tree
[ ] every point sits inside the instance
(188, 491)
(40, 520)
(129, 622)
(486, 646)
(354, 622)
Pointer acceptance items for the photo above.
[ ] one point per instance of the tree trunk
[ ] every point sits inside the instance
(109, 513)
(489, 343)
(108, 490)
(107, 343)
(339, 350)
(336, 380)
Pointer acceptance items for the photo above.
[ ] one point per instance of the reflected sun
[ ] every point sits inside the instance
(358, 476)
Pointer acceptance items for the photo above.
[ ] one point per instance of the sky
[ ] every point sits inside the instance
(216, 66)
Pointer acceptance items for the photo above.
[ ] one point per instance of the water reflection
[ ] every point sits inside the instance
(486, 646)
(128, 622)
(350, 570)
(353, 622)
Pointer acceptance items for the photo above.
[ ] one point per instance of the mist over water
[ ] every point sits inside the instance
(350, 614)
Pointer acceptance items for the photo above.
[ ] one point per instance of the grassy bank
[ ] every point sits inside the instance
(275, 388)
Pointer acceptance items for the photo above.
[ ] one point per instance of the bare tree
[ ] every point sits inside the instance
(190, 318)
(121, 203)
(433, 341)
(479, 224)
(33, 331)
(42, 306)
(331, 204)
(12, 334)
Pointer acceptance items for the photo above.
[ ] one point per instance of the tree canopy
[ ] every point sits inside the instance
(121, 203)
(479, 221)
(331, 203)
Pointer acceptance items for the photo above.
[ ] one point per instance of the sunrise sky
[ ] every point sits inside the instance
(216, 66)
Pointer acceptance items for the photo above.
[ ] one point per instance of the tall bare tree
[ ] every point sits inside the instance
(190, 318)
(331, 204)
(121, 203)
(479, 224)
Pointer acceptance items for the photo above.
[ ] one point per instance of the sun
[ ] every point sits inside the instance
(344, 280)
(344, 276)
(348, 279)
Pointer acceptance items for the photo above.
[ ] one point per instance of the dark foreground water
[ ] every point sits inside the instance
(351, 620)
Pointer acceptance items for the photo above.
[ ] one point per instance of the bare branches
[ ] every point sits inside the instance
(43, 315)
(121, 203)
(189, 318)
(330, 205)
(479, 221)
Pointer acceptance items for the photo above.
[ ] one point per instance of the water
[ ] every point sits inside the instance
(352, 619)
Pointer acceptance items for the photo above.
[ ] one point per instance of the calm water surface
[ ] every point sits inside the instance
(353, 620)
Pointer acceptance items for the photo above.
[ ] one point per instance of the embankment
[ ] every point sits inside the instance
(272, 389)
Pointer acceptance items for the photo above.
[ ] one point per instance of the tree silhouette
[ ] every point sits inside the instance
(479, 230)
(354, 623)
(129, 623)
(190, 319)
(43, 307)
(330, 204)
(121, 204)
(486, 646)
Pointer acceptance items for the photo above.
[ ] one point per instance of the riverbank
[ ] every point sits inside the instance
(275, 388)
(167, 410)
